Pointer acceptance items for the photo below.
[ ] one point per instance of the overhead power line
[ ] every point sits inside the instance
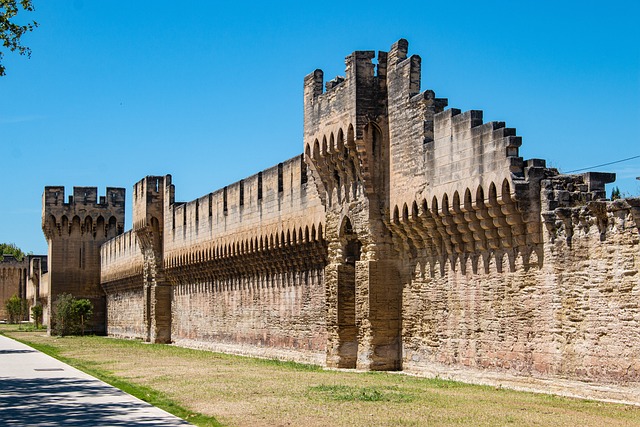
(604, 164)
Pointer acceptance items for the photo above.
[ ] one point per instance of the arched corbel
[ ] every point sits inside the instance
(599, 210)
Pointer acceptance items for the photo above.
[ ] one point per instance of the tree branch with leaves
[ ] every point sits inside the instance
(10, 31)
(11, 249)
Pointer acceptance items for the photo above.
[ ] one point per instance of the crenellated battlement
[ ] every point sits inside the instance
(273, 202)
(465, 148)
(439, 151)
(83, 196)
(342, 102)
(358, 65)
(83, 213)
(461, 191)
(148, 201)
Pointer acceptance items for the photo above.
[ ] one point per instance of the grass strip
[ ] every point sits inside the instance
(144, 393)
(245, 391)
(345, 393)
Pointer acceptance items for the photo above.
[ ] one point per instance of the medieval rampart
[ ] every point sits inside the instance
(120, 258)
(271, 209)
(407, 237)
(121, 278)
(567, 312)
(228, 256)
(246, 264)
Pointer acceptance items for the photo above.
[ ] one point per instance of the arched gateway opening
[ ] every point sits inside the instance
(347, 325)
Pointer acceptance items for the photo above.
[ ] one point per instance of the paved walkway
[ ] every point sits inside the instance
(38, 390)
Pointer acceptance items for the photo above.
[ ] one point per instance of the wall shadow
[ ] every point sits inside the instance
(15, 351)
(71, 402)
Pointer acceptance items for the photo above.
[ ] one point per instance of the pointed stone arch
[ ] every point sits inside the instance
(88, 225)
(51, 226)
(506, 191)
(425, 207)
(75, 227)
(493, 194)
(351, 138)
(112, 230)
(340, 141)
(405, 213)
(468, 200)
(444, 208)
(455, 202)
(346, 350)
(480, 196)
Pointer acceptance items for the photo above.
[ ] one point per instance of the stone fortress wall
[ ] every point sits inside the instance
(27, 279)
(244, 264)
(13, 281)
(406, 237)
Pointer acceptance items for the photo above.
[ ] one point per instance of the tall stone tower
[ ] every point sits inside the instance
(346, 137)
(74, 231)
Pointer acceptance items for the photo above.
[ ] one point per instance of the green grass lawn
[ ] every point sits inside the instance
(211, 389)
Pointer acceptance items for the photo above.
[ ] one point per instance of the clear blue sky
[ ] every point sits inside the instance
(212, 92)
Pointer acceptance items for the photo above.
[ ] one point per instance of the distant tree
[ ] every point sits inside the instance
(36, 313)
(10, 31)
(16, 308)
(11, 249)
(83, 310)
(62, 315)
(615, 193)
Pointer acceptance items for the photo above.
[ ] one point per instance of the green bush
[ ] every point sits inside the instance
(82, 311)
(70, 315)
(16, 308)
(36, 313)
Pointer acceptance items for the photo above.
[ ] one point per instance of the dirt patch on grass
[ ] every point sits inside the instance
(241, 391)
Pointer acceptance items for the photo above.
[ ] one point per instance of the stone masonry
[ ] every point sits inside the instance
(407, 236)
